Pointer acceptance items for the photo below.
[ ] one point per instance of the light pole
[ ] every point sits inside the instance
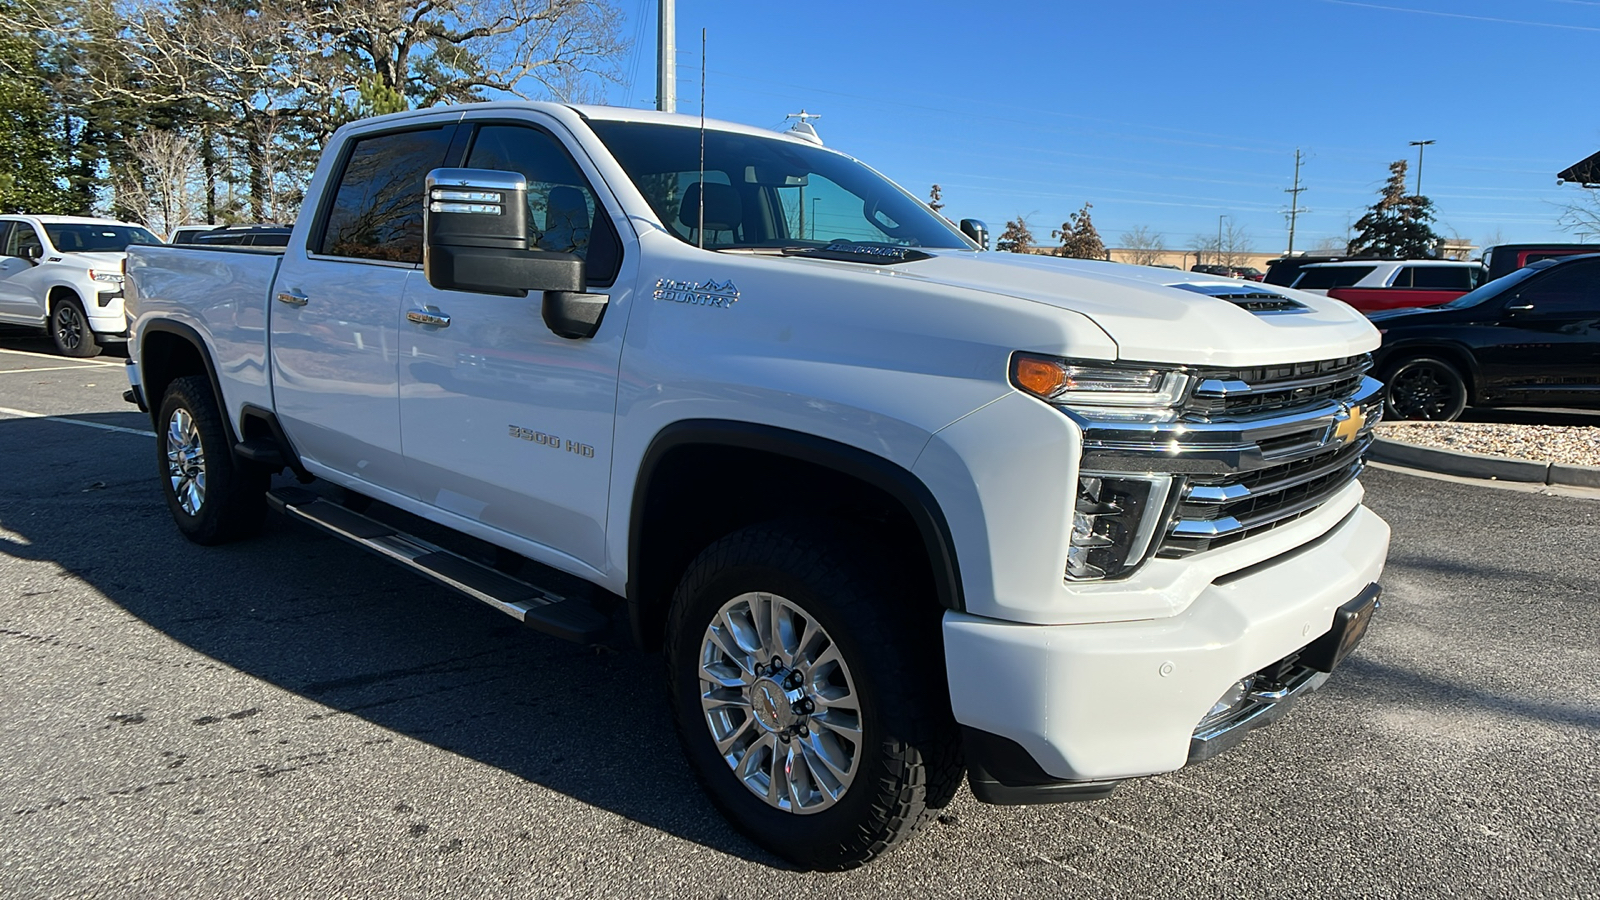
(1420, 145)
(1219, 237)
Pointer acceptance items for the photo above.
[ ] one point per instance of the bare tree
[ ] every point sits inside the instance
(1206, 249)
(1329, 245)
(1581, 217)
(936, 199)
(1236, 244)
(1144, 247)
(164, 187)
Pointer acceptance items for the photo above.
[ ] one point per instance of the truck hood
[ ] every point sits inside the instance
(1162, 315)
(108, 261)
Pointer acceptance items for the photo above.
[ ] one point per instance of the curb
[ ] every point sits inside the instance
(1477, 465)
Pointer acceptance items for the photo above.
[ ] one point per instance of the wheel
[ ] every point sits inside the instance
(69, 329)
(807, 699)
(214, 498)
(1425, 388)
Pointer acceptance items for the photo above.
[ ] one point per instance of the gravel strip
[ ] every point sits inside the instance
(1577, 446)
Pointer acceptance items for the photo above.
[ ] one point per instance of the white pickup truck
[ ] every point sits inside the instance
(64, 274)
(894, 509)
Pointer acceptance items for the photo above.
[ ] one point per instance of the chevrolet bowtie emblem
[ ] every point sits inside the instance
(1346, 429)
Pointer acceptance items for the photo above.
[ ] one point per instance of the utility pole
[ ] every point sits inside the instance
(1294, 198)
(1420, 145)
(1219, 238)
(667, 57)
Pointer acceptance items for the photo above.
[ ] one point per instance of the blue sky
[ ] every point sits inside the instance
(1166, 113)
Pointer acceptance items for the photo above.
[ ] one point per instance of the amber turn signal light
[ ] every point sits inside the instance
(1039, 377)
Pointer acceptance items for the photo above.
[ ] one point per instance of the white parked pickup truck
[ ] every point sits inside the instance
(893, 508)
(64, 274)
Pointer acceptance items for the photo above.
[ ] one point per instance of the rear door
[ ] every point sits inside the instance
(336, 306)
(505, 423)
(1546, 350)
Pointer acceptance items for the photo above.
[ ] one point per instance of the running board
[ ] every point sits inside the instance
(552, 614)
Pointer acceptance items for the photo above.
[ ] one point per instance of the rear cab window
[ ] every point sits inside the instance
(376, 213)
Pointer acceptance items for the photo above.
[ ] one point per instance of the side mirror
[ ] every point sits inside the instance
(33, 253)
(476, 237)
(975, 229)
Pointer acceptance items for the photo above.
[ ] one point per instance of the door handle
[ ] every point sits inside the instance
(429, 316)
(1520, 308)
(293, 297)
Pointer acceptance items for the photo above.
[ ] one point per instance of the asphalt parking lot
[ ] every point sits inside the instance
(289, 717)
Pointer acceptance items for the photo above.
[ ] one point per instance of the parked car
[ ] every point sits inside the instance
(1209, 269)
(885, 529)
(1248, 273)
(1503, 259)
(1373, 284)
(63, 274)
(235, 235)
(1284, 270)
(1531, 338)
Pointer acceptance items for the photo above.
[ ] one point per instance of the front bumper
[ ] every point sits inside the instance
(1093, 704)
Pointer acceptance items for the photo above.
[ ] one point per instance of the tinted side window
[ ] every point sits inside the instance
(5, 238)
(563, 214)
(22, 237)
(1569, 290)
(1321, 279)
(377, 211)
(1442, 278)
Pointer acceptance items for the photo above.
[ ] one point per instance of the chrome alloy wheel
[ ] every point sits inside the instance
(780, 703)
(186, 461)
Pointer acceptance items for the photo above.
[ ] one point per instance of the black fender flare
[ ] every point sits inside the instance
(192, 337)
(898, 482)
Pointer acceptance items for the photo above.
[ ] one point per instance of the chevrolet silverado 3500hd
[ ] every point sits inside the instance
(894, 509)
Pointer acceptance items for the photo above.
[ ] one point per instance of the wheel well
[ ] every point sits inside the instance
(165, 357)
(1452, 355)
(697, 493)
(58, 294)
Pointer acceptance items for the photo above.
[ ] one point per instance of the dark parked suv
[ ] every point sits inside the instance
(1531, 338)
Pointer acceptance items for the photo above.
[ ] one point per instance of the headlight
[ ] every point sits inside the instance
(1112, 523)
(107, 277)
(1100, 390)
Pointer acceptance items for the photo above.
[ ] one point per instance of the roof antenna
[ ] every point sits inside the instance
(803, 128)
(700, 233)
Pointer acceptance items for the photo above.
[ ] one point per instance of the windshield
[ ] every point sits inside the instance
(767, 192)
(1494, 288)
(81, 237)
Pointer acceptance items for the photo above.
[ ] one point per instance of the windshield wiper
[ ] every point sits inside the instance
(852, 251)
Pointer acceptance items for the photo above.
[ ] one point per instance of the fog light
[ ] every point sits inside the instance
(1112, 523)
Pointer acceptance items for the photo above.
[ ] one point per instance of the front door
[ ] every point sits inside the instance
(19, 286)
(503, 422)
(1547, 346)
(336, 309)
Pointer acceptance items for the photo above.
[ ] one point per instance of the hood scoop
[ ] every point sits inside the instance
(1254, 300)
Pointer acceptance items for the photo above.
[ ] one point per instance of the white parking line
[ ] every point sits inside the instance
(90, 362)
(24, 414)
(46, 369)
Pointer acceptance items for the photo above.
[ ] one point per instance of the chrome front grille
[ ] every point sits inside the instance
(1241, 393)
(1256, 449)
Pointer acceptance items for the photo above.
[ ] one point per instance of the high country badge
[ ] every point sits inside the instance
(700, 293)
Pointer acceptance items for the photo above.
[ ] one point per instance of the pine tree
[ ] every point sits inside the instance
(936, 199)
(1017, 238)
(33, 155)
(1398, 225)
(1079, 239)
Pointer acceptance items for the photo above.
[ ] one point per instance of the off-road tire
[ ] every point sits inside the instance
(234, 502)
(910, 756)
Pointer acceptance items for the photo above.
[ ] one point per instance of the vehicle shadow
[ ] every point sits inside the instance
(1531, 416)
(323, 620)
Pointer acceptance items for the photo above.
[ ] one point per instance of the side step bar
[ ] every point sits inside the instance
(557, 616)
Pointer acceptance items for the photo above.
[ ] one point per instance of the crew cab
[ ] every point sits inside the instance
(1374, 284)
(893, 508)
(63, 274)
